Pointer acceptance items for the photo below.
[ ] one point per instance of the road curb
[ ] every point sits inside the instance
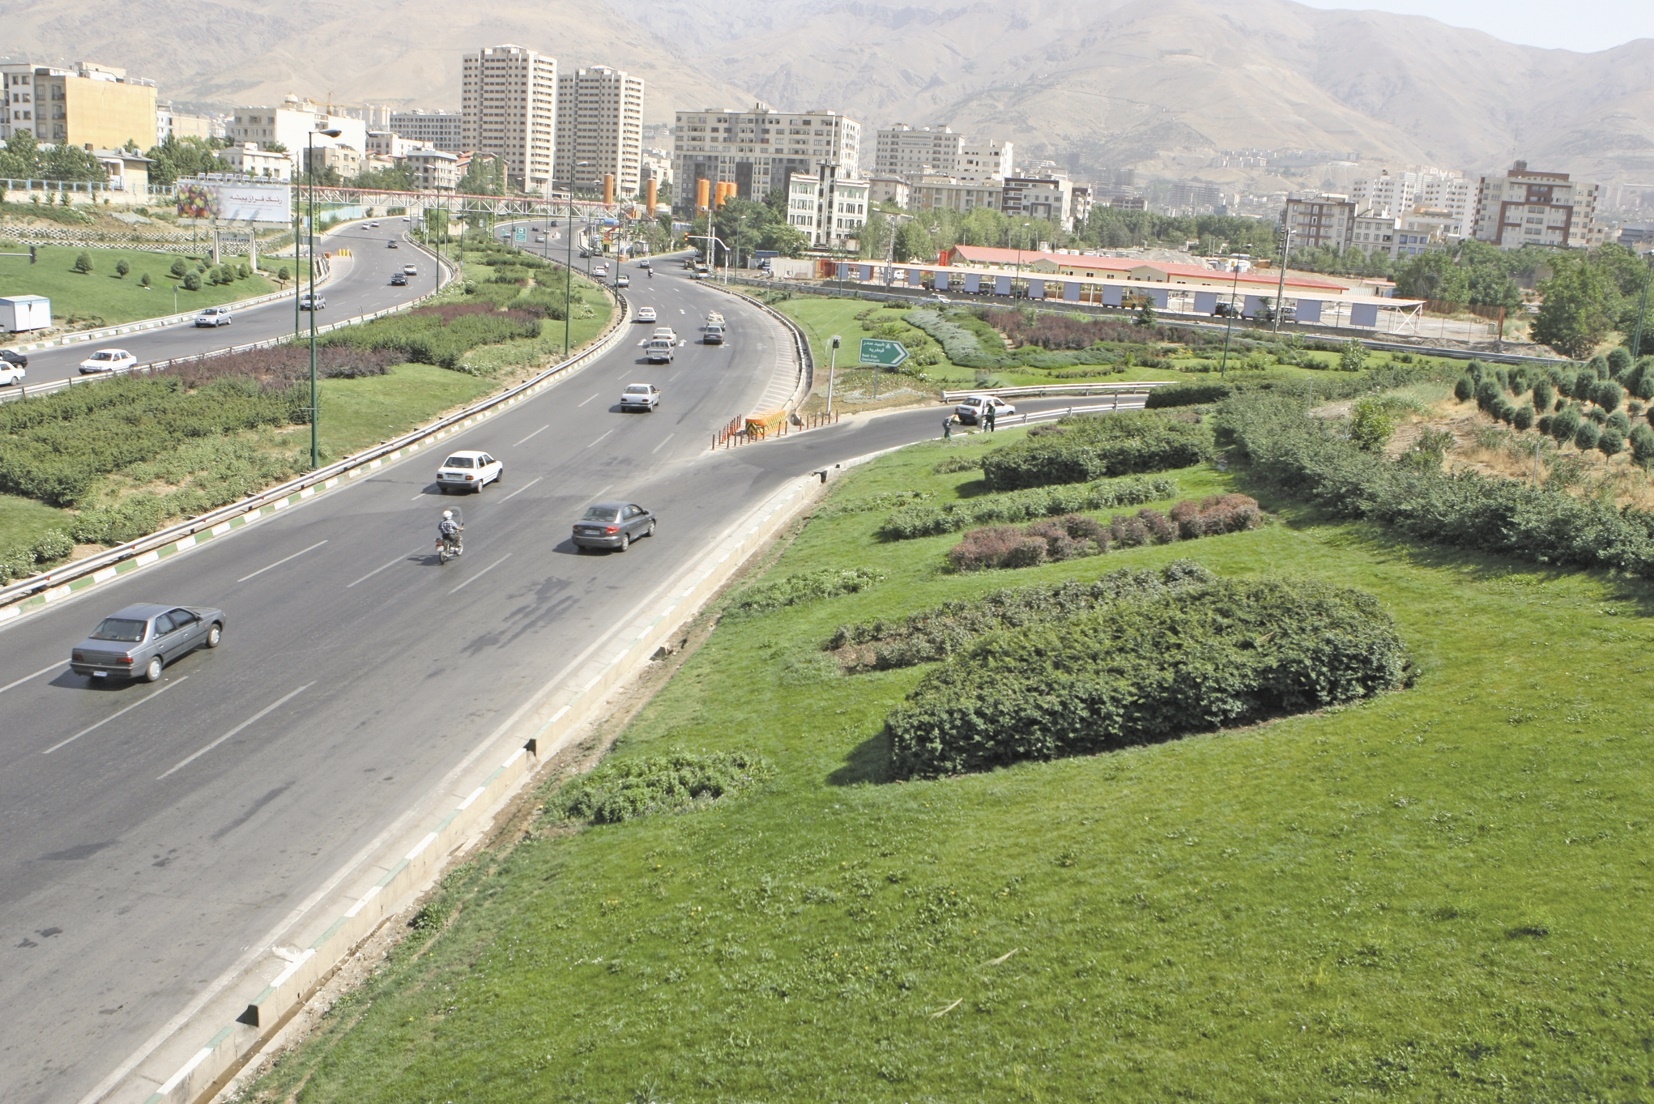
(540, 729)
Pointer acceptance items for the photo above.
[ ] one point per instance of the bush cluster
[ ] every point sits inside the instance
(54, 447)
(794, 590)
(937, 633)
(670, 783)
(1144, 671)
(1075, 535)
(1309, 460)
(927, 519)
(19, 561)
(1589, 405)
(441, 334)
(1084, 447)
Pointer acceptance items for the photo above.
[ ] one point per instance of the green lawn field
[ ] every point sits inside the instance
(1441, 894)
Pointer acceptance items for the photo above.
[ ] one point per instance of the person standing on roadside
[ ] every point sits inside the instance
(947, 428)
(988, 417)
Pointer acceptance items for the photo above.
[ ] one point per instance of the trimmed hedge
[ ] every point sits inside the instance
(1192, 393)
(795, 590)
(926, 519)
(937, 633)
(440, 335)
(1145, 671)
(1075, 535)
(672, 783)
(1084, 447)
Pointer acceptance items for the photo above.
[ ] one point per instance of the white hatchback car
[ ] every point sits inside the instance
(972, 408)
(468, 470)
(107, 360)
(640, 396)
(646, 314)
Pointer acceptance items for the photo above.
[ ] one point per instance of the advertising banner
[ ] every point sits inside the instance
(235, 201)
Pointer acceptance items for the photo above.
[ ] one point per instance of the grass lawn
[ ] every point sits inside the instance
(360, 413)
(103, 298)
(1441, 894)
(24, 521)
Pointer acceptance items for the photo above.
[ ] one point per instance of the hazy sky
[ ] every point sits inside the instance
(1584, 25)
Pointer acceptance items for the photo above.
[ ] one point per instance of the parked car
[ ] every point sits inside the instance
(646, 314)
(1224, 309)
(140, 640)
(612, 525)
(410, 270)
(107, 360)
(306, 302)
(214, 316)
(972, 407)
(699, 274)
(623, 280)
(468, 470)
(399, 279)
(640, 396)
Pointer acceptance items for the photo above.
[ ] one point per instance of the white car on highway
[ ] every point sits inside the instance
(214, 316)
(640, 396)
(468, 470)
(646, 314)
(107, 360)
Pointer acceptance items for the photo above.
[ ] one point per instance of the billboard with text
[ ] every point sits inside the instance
(235, 201)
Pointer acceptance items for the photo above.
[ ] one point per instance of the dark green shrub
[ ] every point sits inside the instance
(672, 783)
(1188, 394)
(1598, 367)
(1611, 442)
(1587, 435)
(926, 519)
(1607, 394)
(1544, 394)
(83, 263)
(1144, 671)
(1565, 423)
(122, 268)
(1085, 447)
(1642, 445)
(1619, 422)
(797, 589)
(192, 281)
(1524, 417)
(1619, 362)
(1464, 390)
(179, 267)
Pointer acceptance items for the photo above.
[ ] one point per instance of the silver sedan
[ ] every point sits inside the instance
(140, 640)
(612, 525)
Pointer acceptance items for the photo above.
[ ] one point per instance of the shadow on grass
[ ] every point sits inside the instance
(1479, 567)
(868, 762)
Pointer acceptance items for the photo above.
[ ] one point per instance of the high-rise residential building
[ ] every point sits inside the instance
(901, 150)
(758, 150)
(296, 127)
(1525, 207)
(1426, 189)
(89, 105)
(825, 207)
(508, 96)
(1320, 220)
(599, 131)
(983, 161)
(1452, 194)
(443, 130)
(1043, 197)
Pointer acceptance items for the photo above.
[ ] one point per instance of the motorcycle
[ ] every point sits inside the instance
(451, 547)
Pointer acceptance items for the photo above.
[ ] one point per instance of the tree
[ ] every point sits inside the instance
(1579, 307)
(83, 263)
(143, 281)
(1371, 424)
(282, 275)
(122, 268)
(1353, 356)
(179, 267)
(1433, 275)
(192, 281)
(1145, 312)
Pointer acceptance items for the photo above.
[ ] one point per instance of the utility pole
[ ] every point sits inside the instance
(1280, 291)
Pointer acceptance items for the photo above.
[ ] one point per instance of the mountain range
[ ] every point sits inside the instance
(1163, 87)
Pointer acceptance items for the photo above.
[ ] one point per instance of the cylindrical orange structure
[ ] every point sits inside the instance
(608, 189)
(653, 194)
(703, 189)
(726, 191)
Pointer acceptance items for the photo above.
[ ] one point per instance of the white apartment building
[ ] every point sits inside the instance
(508, 96)
(944, 193)
(292, 126)
(1525, 207)
(983, 161)
(599, 131)
(1320, 220)
(759, 150)
(901, 150)
(434, 170)
(1429, 189)
(884, 188)
(443, 130)
(1372, 232)
(1049, 198)
(827, 208)
(1387, 192)
(249, 160)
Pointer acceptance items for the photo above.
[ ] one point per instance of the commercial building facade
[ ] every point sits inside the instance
(902, 150)
(827, 208)
(443, 130)
(599, 131)
(759, 150)
(89, 105)
(295, 126)
(509, 102)
(1525, 207)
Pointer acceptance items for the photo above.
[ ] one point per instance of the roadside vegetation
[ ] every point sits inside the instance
(1331, 808)
(116, 459)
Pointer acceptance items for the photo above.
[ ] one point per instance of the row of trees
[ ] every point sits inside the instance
(22, 158)
(1590, 296)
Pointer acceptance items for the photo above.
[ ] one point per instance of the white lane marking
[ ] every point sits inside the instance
(377, 570)
(283, 560)
(112, 716)
(662, 445)
(481, 573)
(533, 435)
(259, 716)
(523, 488)
(417, 497)
(587, 401)
(37, 674)
(594, 440)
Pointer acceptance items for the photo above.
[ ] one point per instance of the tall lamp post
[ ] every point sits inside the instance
(315, 406)
(832, 370)
(1234, 286)
(1280, 291)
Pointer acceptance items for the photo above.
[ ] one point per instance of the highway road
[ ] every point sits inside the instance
(360, 284)
(151, 834)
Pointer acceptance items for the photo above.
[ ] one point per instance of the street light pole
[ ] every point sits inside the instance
(832, 370)
(1234, 286)
(315, 406)
(568, 270)
(1280, 291)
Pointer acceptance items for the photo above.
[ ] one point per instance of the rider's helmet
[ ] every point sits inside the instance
(447, 515)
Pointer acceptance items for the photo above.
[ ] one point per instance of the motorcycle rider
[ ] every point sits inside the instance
(448, 531)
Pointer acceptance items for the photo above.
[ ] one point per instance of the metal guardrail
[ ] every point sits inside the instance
(106, 561)
(1130, 388)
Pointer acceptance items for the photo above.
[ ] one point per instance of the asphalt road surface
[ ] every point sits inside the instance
(151, 833)
(360, 284)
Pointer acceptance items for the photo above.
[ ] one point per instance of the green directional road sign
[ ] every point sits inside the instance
(886, 354)
(522, 233)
